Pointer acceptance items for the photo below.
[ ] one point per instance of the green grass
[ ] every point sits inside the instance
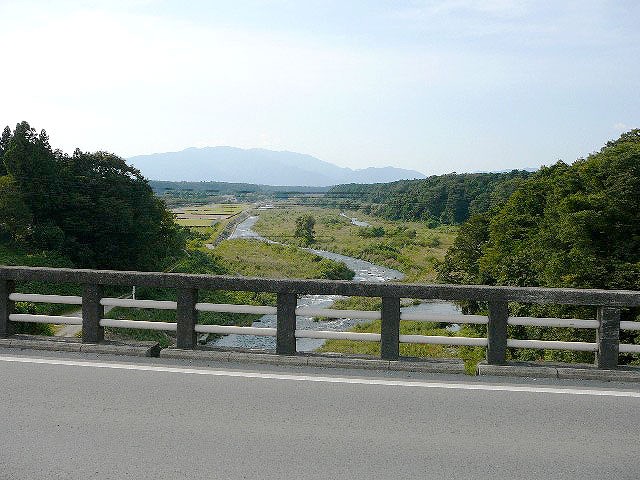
(470, 355)
(358, 303)
(164, 340)
(411, 247)
(252, 258)
(204, 235)
(193, 222)
(10, 255)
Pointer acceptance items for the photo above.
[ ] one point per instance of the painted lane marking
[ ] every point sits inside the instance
(324, 379)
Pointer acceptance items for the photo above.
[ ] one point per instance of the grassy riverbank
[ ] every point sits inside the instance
(252, 258)
(410, 247)
(248, 258)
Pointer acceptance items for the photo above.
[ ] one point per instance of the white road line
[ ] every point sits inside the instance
(322, 379)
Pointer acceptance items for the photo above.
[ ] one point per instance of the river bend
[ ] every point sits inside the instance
(364, 271)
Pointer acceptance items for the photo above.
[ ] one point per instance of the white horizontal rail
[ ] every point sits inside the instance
(230, 308)
(442, 340)
(36, 298)
(331, 335)
(426, 317)
(320, 312)
(126, 302)
(24, 317)
(553, 345)
(629, 348)
(553, 322)
(331, 313)
(629, 325)
(231, 329)
(165, 326)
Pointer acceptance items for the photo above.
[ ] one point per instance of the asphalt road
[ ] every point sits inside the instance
(78, 416)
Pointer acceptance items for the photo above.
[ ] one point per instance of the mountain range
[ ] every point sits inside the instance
(259, 166)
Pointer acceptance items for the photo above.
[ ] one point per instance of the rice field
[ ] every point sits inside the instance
(206, 215)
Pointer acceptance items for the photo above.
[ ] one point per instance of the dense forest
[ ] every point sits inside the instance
(202, 193)
(91, 208)
(565, 226)
(444, 199)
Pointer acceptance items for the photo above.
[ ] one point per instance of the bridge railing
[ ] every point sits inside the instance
(607, 323)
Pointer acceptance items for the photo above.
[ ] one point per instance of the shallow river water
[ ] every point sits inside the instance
(364, 271)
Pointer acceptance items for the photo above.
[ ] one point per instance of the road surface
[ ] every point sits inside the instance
(86, 416)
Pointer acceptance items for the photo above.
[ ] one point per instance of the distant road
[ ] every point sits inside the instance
(79, 416)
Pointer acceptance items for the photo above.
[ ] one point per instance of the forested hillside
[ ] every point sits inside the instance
(89, 207)
(444, 199)
(566, 226)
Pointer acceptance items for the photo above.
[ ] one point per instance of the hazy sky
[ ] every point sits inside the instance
(436, 86)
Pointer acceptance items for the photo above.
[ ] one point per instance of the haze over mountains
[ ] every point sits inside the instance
(259, 166)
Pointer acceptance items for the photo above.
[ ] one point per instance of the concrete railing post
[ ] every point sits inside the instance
(6, 306)
(608, 337)
(187, 318)
(497, 333)
(286, 328)
(92, 313)
(390, 328)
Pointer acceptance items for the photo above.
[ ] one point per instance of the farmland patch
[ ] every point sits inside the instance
(206, 215)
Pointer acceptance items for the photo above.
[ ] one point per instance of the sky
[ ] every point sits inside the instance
(434, 86)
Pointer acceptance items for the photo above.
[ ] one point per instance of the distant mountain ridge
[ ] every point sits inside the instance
(258, 166)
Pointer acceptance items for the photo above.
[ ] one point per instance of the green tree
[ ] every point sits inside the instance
(304, 228)
(34, 167)
(4, 143)
(92, 207)
(565, 226)
(461, 262)
(15, 217)
(111, 217)
(448, 199)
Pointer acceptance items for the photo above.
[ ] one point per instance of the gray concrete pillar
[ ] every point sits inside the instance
(608, 337)
(92, 313)
(7, 287)
(390, 328)
(286, 332)
(187, 318)
(497, 333)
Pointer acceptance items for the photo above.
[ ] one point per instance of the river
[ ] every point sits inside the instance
(364, 271)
